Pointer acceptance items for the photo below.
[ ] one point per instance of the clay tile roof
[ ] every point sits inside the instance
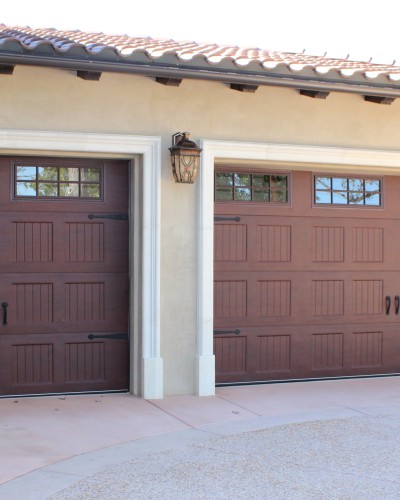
(125, 46)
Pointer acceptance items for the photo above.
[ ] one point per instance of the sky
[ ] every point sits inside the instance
(361, 28)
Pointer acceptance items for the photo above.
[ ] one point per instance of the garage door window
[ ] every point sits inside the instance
(347, 191)
(251, 187)
(57, 182)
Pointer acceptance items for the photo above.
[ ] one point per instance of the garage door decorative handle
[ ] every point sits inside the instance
(108, 216)
(221, 332)
(4, 305)
(219, 219)
(397, 304)
(388, 302)
(113, 336)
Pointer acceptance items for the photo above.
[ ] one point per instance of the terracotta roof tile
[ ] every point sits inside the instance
(126, 46)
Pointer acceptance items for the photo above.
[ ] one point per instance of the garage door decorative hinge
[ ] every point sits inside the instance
(218, 219)
(109, 216)
(113, 336)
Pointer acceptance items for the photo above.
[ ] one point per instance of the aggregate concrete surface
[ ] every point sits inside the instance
(353, 458)
(331, 439)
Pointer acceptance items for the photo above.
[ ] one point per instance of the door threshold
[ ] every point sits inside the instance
(294, 380)
(51, 394)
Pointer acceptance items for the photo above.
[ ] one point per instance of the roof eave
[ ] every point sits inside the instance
(239, 76)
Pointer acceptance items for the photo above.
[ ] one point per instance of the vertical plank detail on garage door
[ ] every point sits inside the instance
(230, 299)
(328, 244)
(32, 242)
(367, 244)
(84, 302)
(84, 361)
(34, 302)
(32, 364)
(230, 353)
(230, 243)
(274, 243)
(367, 349)
(273, 353)
(367, 296)
(327, 351)
(328, 296)
(84, 242)
(275, 297)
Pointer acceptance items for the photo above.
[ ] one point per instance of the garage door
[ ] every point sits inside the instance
(307, 275)
(63, 275)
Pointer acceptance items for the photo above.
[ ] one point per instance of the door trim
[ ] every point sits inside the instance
(259, 155)
(144, 152)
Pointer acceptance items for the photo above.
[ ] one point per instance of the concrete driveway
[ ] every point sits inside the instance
(322, 439)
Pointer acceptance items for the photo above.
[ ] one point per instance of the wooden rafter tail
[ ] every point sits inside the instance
(170, 82)
(89, 75)
(244, 87)
(379, 99)
(6, 69)
(315, 94)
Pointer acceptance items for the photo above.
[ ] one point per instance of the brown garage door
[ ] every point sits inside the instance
(307, 275)
(63, 275)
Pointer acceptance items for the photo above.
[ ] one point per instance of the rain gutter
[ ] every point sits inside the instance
(199, 73)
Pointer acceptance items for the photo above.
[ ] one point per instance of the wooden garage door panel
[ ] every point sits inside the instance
(285, 298)
(67, 300)
(41, 364)
(43, 241)
(314, 295)
(317, 351)
(273, 242)
(64, 278)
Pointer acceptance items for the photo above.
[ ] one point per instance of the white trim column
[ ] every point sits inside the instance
(152, 368)
(126, 147)
(205, 360)
(295, 157)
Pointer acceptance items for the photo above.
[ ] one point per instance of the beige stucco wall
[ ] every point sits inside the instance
(55, 100)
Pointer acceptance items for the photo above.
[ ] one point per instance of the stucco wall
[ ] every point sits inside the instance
(46, 99)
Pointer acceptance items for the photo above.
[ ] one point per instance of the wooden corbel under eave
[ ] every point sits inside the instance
(170, 82)
(315, 94)
(6, 69)
(379, 99)
(244, 87)
(89, 75)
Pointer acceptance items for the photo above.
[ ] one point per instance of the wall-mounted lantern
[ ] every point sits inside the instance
(185, 158)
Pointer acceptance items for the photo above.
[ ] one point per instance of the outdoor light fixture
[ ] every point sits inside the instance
(185, 158)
